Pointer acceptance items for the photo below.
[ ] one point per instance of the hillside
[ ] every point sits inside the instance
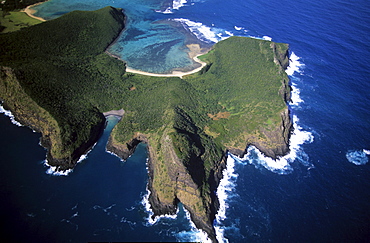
(60, 84)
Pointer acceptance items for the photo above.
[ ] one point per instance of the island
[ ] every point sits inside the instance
(62, 84)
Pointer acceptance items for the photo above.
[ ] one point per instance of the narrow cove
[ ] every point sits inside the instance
(102, 198)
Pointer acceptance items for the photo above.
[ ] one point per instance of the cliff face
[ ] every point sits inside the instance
(191, 179)
(30, 114)
(237, 100)
(187, 153)
(46, 78)
(278, 144)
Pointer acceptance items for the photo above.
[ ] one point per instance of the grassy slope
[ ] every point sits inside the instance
(243, 84)
(64, 73)
(14, 21)
(188, 122)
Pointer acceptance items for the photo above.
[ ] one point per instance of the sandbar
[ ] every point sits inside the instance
(194, 52)
(120, 113)
(30, 11)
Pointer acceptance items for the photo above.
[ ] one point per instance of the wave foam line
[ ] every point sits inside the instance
(145, 202)
(282, 164)
(203, 32)
(9, 114)
(111, 153)
(295, 66)
(176, 5)
(298, 138)
(195, 234)
(224, 191)
(358, 157)
(295, 96)
(53, 170)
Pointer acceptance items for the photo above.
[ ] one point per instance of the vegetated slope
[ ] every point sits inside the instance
(10, 5)
(236, 100)
(61, 65)
(246, 84)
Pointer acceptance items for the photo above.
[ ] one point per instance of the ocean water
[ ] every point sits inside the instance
(320, 192)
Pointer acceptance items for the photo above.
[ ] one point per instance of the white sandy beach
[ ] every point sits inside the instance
(30, 11)
(195, 51)
(120, 113)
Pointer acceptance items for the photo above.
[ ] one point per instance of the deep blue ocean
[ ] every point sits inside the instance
(320, 192)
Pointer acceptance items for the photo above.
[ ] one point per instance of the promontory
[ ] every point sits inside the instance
(57, 78)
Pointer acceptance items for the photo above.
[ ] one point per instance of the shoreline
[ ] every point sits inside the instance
(119, 113)
(178, 74)
(30, 12)
(194, 53)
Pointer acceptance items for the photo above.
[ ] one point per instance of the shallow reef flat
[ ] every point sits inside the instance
(63, 87)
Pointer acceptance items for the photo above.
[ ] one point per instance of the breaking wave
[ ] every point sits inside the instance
(150, 220)
(194, 235)
(224, 191)
(53, 170)
(282, 165)
(299, 136)
(176, 5)
(358, 157)
(203, 32)
(9, 114)
(295, 66)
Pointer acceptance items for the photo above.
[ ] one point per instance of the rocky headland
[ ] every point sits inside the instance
(237, 99)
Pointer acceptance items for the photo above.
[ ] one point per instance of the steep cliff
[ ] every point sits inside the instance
(60, 87)
(184, 166)
(239, 100)
(41, 65)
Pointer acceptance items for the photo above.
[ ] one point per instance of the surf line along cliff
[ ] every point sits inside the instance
(245, 91)
(238, 98)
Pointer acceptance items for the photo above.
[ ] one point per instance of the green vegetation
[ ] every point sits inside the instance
(64, 74)
(65, 81)
(11, 5)
(14, 21)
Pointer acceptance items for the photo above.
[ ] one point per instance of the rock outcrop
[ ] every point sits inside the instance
(29, 113)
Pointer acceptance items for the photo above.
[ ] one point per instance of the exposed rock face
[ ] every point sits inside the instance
(278, 137)
(126, 150)
(170, 182)
(30, 114)
(175, 178)
(185, 163)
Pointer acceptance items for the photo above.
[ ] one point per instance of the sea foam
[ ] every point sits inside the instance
(53, 170)
(176, 5)
(358, 157)
(194, 235)
(297, 139)
(150, 221)
(295, 66)
(203, 32)
(224, 191)
(268, 38)
(9, 114)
